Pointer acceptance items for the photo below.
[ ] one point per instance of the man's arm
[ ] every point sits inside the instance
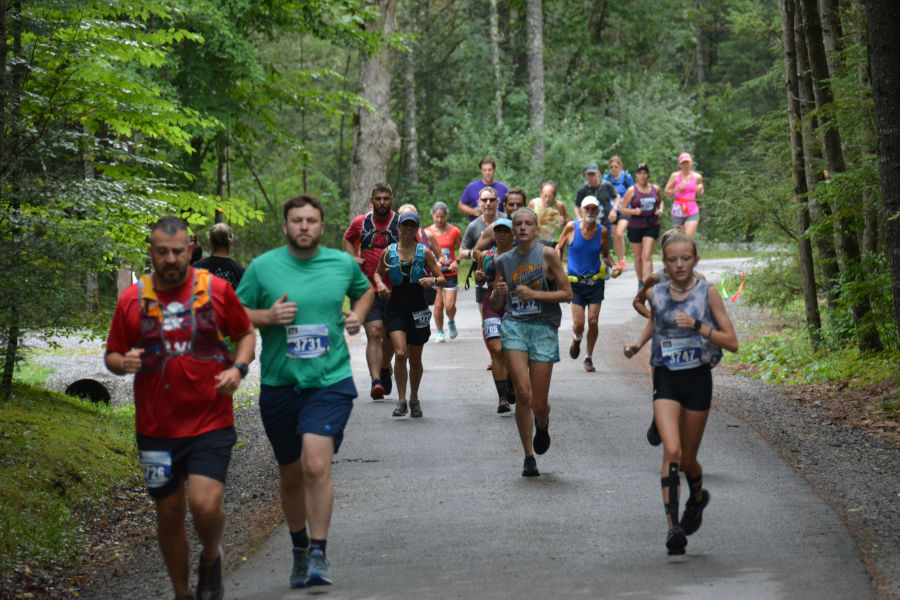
(359, 308)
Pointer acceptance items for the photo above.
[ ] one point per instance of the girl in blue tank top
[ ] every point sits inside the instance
(689, 327)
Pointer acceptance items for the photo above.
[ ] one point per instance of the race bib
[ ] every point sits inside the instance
(157, 467)
(492, 327)
(648, 203)
(523, 308)
(681, 353)
(307, 341)
(446, 253)
(422, 318)
(677, 210)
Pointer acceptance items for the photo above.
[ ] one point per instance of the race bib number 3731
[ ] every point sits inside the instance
(307, 341)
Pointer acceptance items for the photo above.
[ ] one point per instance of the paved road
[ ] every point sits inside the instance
(437, 508)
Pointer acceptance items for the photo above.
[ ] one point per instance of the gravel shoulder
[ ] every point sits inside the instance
(856, 471)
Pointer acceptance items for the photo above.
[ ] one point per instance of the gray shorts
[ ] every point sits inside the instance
(676, 221)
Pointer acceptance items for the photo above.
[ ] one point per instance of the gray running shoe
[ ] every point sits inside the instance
(209, 580)
(317, 570)
(530, 467)
(415, 409)
(400, 410)
(298, 572)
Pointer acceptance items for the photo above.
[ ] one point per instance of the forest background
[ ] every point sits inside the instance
(116, 111)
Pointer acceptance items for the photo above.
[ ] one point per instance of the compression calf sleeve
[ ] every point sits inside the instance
(502, 388)
(671, 483)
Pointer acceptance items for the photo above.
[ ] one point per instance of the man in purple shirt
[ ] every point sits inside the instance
(468, 202)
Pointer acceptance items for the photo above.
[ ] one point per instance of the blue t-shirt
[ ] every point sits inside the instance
(473, 190)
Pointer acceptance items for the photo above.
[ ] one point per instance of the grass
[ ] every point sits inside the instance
(57, 455)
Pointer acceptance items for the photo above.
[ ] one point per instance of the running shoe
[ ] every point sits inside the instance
(530, 469)
(575, 348)
(440, 336)
(489, 367)
(209, 580)
(503, 408)
(386, 380)
(693, 513)
(653, 434)
(317, 571)
(589, 365)
(400, 409)
(451, 327)
(377, 392)
(541, 441)
(298, 572)
(415, 409)
(676, 541)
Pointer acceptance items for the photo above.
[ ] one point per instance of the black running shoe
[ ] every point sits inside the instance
(530, 469)
(377, 392)
(676, 541)
(541, 441)
(575, 348)
(653, 434)
(386, 381)
(693, 513)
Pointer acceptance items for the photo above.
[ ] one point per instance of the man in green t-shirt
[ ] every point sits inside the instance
(294, 296)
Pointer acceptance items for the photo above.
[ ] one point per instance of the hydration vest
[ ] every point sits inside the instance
(368, 231)
(488, 262)
(207, 342)
(418, 265)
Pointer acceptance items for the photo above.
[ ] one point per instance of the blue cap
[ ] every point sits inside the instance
(410, 216)
(503, 223)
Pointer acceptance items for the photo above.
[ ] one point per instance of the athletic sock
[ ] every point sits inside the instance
(502, 388)
(300, 539)
(577, 338)
(317, 545)
(695, 485)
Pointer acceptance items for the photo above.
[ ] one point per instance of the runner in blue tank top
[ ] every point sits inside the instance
(531, 282)
(689, 327)
(587, 245)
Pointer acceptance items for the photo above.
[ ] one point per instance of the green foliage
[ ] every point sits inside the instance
(58, 456)
(786, 358)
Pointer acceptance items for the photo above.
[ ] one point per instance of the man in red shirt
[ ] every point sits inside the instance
(365, 239)
(169, 329)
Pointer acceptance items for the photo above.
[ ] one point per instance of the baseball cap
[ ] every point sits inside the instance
(590, 201)
(503, 223)
(410, 216)
(684, 157)
(592, 168)
(643, 167)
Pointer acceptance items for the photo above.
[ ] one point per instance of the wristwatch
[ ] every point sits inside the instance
(242, 367)
(697, 325)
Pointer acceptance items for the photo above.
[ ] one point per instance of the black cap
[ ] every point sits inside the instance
(642, 167)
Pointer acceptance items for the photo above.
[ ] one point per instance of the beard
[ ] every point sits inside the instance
(590, 219)
(303, 247)
(172, 275)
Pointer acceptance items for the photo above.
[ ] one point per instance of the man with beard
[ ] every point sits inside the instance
(295, 295)
(587, 261)
(169, 329)
(365, 239)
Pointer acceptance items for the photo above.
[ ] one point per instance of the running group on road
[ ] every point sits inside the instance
(170, 330)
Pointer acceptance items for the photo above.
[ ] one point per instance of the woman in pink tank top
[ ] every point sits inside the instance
(686, 185)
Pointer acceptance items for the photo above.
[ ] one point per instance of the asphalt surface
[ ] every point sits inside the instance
(437, 508)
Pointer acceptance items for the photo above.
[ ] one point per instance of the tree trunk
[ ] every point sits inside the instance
(339, 173)
(812, 159)
(412, 145)
(698, 49)
(495, 63)
(221, 172)
(884, 59)
(832, 32)
(804, 246)
(535, 20)
(866, 332)
(375, 137)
